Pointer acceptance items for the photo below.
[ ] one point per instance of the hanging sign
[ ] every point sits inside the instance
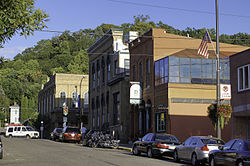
(225, 91)
(135, 93)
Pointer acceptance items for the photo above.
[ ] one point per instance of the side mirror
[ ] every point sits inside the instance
(221, 147)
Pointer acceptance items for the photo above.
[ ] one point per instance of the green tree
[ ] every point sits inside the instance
(20, 16)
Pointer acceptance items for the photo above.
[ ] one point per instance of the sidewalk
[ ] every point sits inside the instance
(127, 147)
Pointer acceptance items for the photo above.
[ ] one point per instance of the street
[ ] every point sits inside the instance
(37, 152)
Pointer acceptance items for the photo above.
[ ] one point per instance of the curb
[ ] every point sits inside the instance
(125, 148)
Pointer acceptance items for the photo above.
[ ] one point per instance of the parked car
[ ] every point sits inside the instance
(234, 152)
(21, 131)
(196, 149)
(71, 134)
(55, 134)
(156, 145)
(1, 149)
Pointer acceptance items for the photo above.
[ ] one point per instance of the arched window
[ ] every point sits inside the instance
(98, 73)
(75, 100)
(103, 71)
(108, 68)
(93, 76)
(63, 99)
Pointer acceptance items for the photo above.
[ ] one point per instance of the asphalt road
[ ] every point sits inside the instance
(37, 152)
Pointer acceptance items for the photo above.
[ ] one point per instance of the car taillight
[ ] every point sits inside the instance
(160, 145)
(204, 148)
(66, 134)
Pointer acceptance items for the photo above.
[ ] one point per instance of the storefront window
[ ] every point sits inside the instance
(161, 122)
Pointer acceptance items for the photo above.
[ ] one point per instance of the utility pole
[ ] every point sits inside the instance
(218, 68)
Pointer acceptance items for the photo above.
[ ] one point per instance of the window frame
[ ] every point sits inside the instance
(243, 78)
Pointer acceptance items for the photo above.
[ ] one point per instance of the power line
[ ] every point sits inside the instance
(178, 9)
(181, 37)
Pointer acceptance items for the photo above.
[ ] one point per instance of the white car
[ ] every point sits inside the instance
(21, 131)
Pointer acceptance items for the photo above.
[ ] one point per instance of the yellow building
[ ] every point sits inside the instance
(63, 91)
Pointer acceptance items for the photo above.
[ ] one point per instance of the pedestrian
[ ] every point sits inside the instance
(83, 131)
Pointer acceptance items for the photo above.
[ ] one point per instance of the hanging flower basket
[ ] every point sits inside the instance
(223, 112)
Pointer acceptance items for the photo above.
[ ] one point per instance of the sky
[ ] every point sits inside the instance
(73, 15)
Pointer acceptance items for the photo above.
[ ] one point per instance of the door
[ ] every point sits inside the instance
(220, 155)
(182, 148)
(230, 155)
(23, 132)
(190, 148)
(140, 145)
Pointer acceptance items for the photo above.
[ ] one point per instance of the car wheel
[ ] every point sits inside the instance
(149, 153)
(28, 136)
(194, 160)
(10, 136)
(135, 151)
(212, 161)
(176, 158)
(240, 163)
(1, 155)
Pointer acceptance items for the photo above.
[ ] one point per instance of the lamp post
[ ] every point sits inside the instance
(80, 105)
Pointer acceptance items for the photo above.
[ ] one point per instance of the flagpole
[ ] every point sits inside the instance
(218, 69)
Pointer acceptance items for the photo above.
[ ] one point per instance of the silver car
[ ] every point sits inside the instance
(196, 149)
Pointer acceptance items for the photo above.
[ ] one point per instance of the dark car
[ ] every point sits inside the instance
(55, 134)
(1, 149)
(71, 134)
(156, 145)
(234, 152)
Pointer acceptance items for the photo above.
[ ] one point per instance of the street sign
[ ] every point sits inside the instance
(65, 111)
(135, 93)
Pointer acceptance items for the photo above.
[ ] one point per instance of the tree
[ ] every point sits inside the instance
(20, 16)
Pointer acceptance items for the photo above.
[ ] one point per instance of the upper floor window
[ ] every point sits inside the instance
(116, 67)
(148, 73)
(190, 70)
(98, 73)
(244, 78)
(134, 73)
(62, 99)
(108, 68)
(93, 76)
(141, 73)
(103, 70)
(74, 100)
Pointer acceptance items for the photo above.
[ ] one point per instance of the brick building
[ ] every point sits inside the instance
(109, 84)
(177, 85)
(240, 80)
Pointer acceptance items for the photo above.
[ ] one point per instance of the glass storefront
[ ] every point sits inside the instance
(190, 70)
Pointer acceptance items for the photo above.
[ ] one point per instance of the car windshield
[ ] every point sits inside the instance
(59, 130)
(165, 138)
(73, 130)
(247, 145)
(29, 128)
(211, 141)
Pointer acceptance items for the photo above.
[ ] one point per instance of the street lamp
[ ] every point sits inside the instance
(81, 102)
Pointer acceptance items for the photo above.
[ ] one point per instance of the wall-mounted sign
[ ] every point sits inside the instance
(135, 93)
(225, 91)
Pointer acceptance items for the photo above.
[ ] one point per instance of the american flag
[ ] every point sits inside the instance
(203, 49)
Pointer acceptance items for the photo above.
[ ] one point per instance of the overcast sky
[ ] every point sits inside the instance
(81, 14)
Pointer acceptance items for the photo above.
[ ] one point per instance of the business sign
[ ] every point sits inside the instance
(225, 91)
(135, 93)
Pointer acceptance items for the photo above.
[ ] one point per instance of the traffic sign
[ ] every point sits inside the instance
(65, 111)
